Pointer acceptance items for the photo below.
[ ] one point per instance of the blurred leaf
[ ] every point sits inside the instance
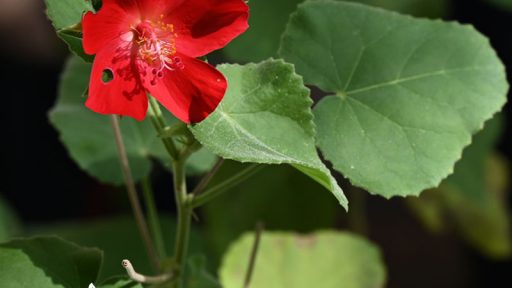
(265, 117)
(119, 282)
(504, 4)
(47, 262)
(9, 222)
(324, 259)
(119, 239)
(268, 20)
(89, 139)
(401, 114)
(197, 275)
(279, 196)
(66, 13)
(473, 197)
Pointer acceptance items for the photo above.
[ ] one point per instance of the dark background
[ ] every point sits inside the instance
(43, 184)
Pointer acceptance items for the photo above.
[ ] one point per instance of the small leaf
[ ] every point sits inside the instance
(73, 39)
(119, 282)
(90, 141)
(66, 13)
(47, 262)
(409, 93)
(265, 117)
(323, 259)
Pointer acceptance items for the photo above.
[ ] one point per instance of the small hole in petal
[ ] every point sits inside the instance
(107, 76)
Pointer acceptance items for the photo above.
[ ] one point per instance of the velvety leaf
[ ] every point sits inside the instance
(268, 20)
(261, 198)
(473, 198)
(265, 117)
(89, 138)
(47, 262)
(9, 222)
(409, 93)
(324, 259)
(119, 239)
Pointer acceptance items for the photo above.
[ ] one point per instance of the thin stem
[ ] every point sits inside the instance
(208, 177)
(153, 219)
(222, 187)
(357, 218)
(254, 253)
(132, 194)
(158, 121)
(184, 219)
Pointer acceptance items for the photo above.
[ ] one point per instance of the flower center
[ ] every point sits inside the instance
(156, 42)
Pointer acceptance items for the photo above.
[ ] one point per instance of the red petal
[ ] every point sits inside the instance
(114, 18)
(124, 94)
(207, 25)
(190, 93)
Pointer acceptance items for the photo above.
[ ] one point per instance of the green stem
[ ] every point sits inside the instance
(213, 192)
(184, 218)
(132, 194)
(153, 219)
(157, 118)
(208, 177)
(357, 218)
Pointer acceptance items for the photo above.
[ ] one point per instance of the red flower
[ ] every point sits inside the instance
(151, 46)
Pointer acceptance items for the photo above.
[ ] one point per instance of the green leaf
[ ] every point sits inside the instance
(279, 196)
(47, 262)
(66, 13)
(324, 259)
(265, 117)
(9, 222)
(119, 238)
(268, 21)
(473, 198)
(409, 93)
(119, 282)
(73, 39)
(89, 138)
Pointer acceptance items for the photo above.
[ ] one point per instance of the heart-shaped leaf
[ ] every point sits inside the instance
(265, 117)
(409, 93)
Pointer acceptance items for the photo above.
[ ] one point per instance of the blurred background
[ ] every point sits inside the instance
(434, 241)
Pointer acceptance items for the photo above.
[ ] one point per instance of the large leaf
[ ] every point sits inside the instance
(324, 259)
(409, 93)
(265, 117)
(47, 262)
(262, 198)
(473, 198)
(268, 21)
(119, 239)
(9, 222)
(90, 140)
